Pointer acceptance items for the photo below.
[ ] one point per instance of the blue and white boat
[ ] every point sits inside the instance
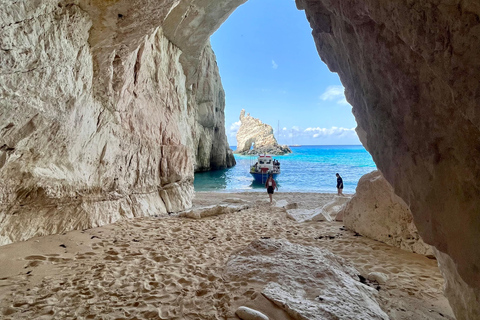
(265, 166)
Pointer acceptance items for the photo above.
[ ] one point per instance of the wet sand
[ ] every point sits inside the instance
(173, 268)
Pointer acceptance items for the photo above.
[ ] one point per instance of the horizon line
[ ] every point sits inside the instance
(316, 145)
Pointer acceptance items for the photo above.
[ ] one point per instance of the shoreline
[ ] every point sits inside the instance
(174, 268)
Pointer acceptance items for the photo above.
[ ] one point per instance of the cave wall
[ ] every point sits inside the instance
(98, 108)
(98, 119)
(411, 72)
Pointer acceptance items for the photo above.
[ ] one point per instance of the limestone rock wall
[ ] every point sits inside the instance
(464, 299)
(411, 72)
(95, 127)
(254, 131)
(376, 212)
(207, 98)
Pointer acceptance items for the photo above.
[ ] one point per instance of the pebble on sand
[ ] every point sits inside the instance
(246, 313)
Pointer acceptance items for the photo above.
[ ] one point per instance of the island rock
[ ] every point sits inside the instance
(253, 131)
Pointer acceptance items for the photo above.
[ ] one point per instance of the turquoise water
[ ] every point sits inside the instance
(306, 169)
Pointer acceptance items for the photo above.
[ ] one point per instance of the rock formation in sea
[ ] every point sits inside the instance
(375, 211)
(254, 132)
(99, 105)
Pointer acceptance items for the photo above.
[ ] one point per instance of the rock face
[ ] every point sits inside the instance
(376, 212)
(328, 212)
(307, 282)
(253, 131)
(412, 74)
(93, 130)
(464, 299)
(98, 103)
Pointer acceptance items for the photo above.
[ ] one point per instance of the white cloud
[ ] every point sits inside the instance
(274, 64)
(334, 93)
(232, 131)
(330, 132)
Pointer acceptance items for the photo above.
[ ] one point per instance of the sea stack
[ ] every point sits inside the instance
(253, 131)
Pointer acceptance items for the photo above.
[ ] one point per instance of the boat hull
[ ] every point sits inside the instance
(262, 177)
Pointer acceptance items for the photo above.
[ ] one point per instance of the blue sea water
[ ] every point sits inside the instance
(306, 169)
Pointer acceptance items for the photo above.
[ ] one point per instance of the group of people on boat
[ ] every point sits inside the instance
(275, 168)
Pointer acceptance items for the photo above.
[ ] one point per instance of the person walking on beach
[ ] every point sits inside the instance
(270, 185)
(339, 185)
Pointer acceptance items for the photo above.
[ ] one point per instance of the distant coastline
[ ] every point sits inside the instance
(315, 145)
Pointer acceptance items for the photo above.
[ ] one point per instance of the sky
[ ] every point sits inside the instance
(270, 67)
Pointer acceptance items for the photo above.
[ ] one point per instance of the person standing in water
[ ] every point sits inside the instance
(339, 185)
(270, 185)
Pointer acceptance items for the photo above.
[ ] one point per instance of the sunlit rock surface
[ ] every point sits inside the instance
(376, 212)
(98, 115)
(412, 74)
(254, 132)
(99, 121)
(307, 282)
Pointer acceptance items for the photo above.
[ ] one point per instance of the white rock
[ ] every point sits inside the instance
(246, 313)
(376, 212)
(284, 204)
(306, 282)
(302, 215)
(215, 210)
(281, 203)
(464, 300)
(332, 208)
(379, 277)
(96, 132)
(253, 131)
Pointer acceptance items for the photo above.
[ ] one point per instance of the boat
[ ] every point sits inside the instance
(264, 166)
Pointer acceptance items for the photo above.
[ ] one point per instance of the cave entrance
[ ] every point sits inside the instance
(270, 67)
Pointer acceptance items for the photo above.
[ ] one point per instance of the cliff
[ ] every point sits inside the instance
(412, 74)
(99, 108)
(253, 131)
(93, 131)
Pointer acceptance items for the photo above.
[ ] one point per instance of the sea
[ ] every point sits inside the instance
(306, 169)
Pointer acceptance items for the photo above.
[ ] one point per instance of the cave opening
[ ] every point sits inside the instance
(269, 66)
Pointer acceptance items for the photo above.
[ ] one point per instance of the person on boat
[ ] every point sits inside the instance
(270, 185)
(339, 185)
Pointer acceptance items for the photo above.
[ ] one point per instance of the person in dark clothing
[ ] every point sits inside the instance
(270, 185)
(339, 185)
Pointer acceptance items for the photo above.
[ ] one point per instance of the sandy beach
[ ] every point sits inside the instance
(174, 268)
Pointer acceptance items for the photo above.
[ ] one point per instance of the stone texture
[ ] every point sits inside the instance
(464, 300)
(246, 313)
(216, 210)
(376, 212)
(207, 98)
(98, 122)
(331, 210)
(328, 212)
(307, 282)
(252, 130)
(81, 85)
(412, 74)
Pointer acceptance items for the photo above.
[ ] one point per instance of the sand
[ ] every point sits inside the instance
(173, 268)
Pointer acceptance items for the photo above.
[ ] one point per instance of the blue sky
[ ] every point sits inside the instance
(270, 67)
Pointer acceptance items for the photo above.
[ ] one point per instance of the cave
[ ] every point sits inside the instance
(87, 84)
